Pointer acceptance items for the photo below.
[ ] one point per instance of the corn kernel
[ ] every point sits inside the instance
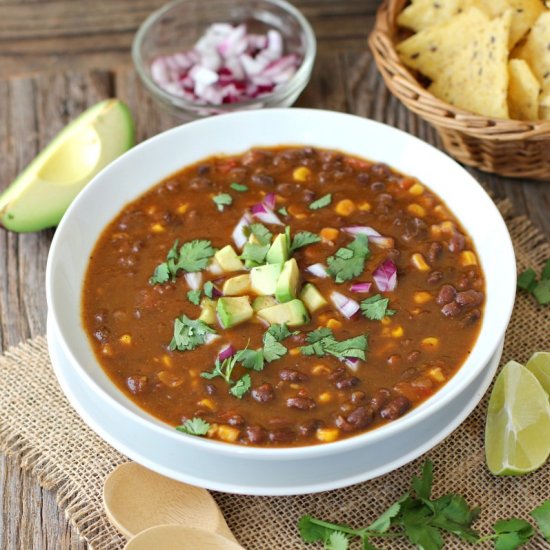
(334, 324)
(325, 397)
(213, 430)
(436, 374)
(169, 379)
(419, 262)
(296, 212)
(397, 332)
(406, 183)
(295, 386)
(107, 350)
(167, 360)
(435, 230)
(320, 369)
(385, 320)
(430, 342)
(329, 233)
(182, 208)
(416, 189)
(157, 228)
(345, 207)
(327, 434)
(422, 297)
(228, 433)
(193, 373)
(207, 403)
(441, 211)
(301, 174)
(447, 227)
(467, 257)
(125, 339)
(365, 206)
(294, 351)
(416, 210)
(151, 210)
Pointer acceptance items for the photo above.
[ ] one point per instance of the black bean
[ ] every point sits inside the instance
(256, 434)
(380, 170)
(446, 294)
(343, 424)
(337, 374)
(471, 317)
(413, 356)
(308, 428)
(137, 384)
(284, 435)
(415, 229)
(384, 198)
(235, 420)
(434, 252)
(393, 254)
(200, 183)
(263, 393)
(469, 298)
(102, 334)
(203, 169)
(237, 174)
(347, 383)
(457, 242)
(434, 277)
(286, 189)
(100, 316)
(463, 281)
(379, 399)
(308, 196)
(210, 389)
(291, 375)
(361, 417)
(357, 397)
(451, 309)
(263, 180)
(301, 403)
(397, 407)
(363, 177)
(378, 186)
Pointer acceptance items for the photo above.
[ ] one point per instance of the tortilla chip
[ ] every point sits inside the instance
(430, 51)
(523, 91)
(536, 51)
(477, 78)
(422, 14)
(525, 13)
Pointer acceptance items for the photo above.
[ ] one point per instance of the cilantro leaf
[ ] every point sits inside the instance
(453, 514)
(241, 188)
(383, 522)
(321, 203)
(512, 533)
(322, 342)
(375, 308)
(310, 531)
(223, 369)
(241, 386)
(194, 426)
(337, 541)
(251, 359)
(542, 292)
(161, 275)
(542, 516)
(208, 288)
(222, 200)
(283, 211)
(423, 485)
(280, 332)
(527, 280)
(303, 238)
(349, 261)
(545, 271)
(540, 289)
(189, 333)
(194, 296)
(254, 254)
(261, 232)
(272, 348)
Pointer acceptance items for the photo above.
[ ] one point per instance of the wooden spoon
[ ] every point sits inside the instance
(178, 537)
(136, 498)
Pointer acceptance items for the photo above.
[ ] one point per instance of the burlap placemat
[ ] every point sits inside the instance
(38, 425)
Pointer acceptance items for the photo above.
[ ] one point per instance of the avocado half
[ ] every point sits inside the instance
(41, 194)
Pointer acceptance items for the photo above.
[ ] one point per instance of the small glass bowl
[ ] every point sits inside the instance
(178, 25)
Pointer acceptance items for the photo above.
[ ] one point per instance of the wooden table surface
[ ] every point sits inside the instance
(43, 36)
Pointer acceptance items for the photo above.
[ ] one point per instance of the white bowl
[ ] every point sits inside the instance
(155, 159)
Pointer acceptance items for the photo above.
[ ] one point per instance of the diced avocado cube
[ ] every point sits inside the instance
(291, 313)
(278, 252)
(233, 311)
(228, 259)
(312, 298)
(263, 279)
(208, 311)
(288, 281)
(237, 286)
(261, 302)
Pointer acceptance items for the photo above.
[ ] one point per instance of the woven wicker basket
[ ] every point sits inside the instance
(519, 149)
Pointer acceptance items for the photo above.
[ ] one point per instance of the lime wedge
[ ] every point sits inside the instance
(517, 434)
(539, 365)
(41, 194)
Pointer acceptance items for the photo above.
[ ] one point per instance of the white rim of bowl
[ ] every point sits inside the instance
(430, 406)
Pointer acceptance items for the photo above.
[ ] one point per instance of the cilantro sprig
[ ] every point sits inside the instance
(240, 187)
(422, 520)
(222, 200)
(349, 261)
(376, 308)
(194, 296)
(189, 333)
(194, 426)
(303, 238)
(325, 200)
(539, 288)
(321, 342)
(190, 257)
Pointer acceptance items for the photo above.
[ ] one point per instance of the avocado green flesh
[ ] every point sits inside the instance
(288, 281)
(312, 298)
(41, 194)
(278, 252)
(291, 313)
(233, 311)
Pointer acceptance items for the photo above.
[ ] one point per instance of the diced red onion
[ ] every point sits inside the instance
(239, 235)
(385, 276)
(226, 352)
(361, 230)
(346, 306)
(226, 65)
(319, 270)
(382, 242)
(270, 200)
(194, 280)
(352, 363)
(265, 215)
(209, 337)
(216, 292)
(360, 287)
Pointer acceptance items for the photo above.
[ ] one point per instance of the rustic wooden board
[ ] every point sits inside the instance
(62, 34)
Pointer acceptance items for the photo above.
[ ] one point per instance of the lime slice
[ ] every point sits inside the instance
(517, 434)
(539, 365)
(41, 194)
